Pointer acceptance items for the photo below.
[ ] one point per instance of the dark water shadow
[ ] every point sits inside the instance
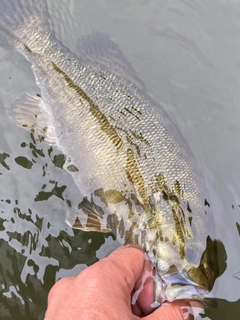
(27, 298)
(225, 310)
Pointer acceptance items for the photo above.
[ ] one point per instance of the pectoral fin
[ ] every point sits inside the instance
(88, 217)
(30, 113)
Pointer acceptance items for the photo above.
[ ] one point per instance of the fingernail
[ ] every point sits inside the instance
(197, 308)
(133, 245)
(191, 310)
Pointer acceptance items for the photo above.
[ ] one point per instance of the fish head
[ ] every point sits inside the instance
(190, 281)
(181, 249)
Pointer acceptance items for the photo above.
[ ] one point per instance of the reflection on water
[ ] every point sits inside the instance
(36, 246)
(3, 157)
(225, 310)
(29, 266)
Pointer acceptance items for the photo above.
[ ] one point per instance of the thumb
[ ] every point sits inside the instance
(110, 280)
(126, 271)
(125, 265)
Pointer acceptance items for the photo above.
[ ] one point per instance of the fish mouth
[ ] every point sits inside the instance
(179, 286)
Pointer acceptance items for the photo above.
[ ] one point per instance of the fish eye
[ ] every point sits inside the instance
(192, 254)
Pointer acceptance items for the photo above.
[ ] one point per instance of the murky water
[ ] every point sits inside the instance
(187, 52)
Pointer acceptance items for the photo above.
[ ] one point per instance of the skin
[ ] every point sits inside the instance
(104, 291)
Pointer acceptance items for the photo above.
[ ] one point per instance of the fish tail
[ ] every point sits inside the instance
(23, 22)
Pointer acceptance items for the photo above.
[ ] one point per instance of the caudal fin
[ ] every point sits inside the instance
(22, 21)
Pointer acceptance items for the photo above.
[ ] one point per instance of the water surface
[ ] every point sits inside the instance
(187, 52)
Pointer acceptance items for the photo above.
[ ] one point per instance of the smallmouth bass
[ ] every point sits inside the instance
(138, 176)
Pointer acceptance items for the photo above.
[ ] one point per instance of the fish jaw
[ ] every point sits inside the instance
(190, 282)
(179, 286)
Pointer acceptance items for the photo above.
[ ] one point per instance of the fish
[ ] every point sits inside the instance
(139, 179)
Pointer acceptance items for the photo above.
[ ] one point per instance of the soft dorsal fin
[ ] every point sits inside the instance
(29, 112)
(99, 48)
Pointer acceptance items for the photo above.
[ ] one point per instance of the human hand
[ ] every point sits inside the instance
(104, 291)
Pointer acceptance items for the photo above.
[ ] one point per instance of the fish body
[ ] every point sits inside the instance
(137, 174)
